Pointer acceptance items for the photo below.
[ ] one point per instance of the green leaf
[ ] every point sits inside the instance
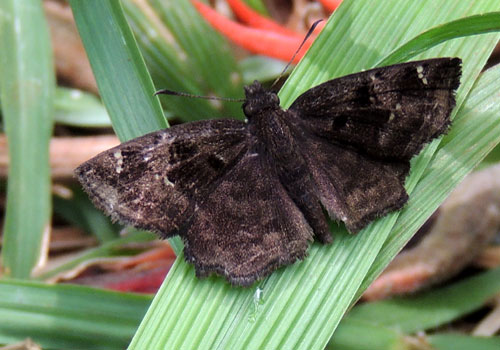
(261, 68)
(300, 306)
(463, 342)
(257, 5)
(67, 316)
(168, 62)
(27, 91)
(474, 25)
(355, 334)
(433, 308)
(209, 56)
(78, 108)
(123, 80)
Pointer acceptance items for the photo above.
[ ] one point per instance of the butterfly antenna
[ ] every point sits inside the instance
(184, 94)
(311, 30)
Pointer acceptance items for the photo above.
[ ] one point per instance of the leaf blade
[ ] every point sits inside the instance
(27, 93)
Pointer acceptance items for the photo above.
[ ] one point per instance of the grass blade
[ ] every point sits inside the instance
(209, 54)
(167, 62)
(107, 249)
(27, 91)
(474, 25)
(123, 80)
(433, 308)
(79, 108)
(463, 342)
(68, 317)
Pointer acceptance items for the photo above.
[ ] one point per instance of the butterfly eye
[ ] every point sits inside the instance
(248, 109)
(275, 99)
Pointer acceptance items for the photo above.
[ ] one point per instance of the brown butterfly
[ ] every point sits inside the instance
(247, 198)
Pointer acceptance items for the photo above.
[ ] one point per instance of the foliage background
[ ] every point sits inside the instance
(298, 307)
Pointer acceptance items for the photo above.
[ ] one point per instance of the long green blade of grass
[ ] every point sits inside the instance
(433, 308)
(79, 108)
(479, 24)
(360, 335)
(27, 91)
(107, 249)
(300, 306)
(123, 80)
(167, 62)
(463, 342)
(68, 317)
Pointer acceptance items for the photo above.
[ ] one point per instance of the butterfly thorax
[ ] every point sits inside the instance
(267, 121)
(258, 101)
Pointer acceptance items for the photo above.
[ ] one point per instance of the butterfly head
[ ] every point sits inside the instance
(258, 99)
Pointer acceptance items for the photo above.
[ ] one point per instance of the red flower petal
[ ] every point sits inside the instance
(330, 5)
(254, 19)
(258, 41)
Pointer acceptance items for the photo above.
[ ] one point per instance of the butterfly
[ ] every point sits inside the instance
(248, 197)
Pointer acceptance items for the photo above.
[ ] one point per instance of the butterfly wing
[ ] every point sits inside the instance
(354, 188)
(388, 112)
(154, 182)
(361, 130)
(247, 226)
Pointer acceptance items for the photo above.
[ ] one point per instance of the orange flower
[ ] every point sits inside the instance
(263, 36)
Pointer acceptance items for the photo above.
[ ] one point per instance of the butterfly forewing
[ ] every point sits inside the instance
(388, 112)
(154, 182)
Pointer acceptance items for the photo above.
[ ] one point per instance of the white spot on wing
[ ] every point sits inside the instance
(119, 161)
(420, 72)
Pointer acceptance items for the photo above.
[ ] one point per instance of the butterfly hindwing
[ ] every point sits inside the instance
(155, 181)
(376, 188)
(247, 226)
